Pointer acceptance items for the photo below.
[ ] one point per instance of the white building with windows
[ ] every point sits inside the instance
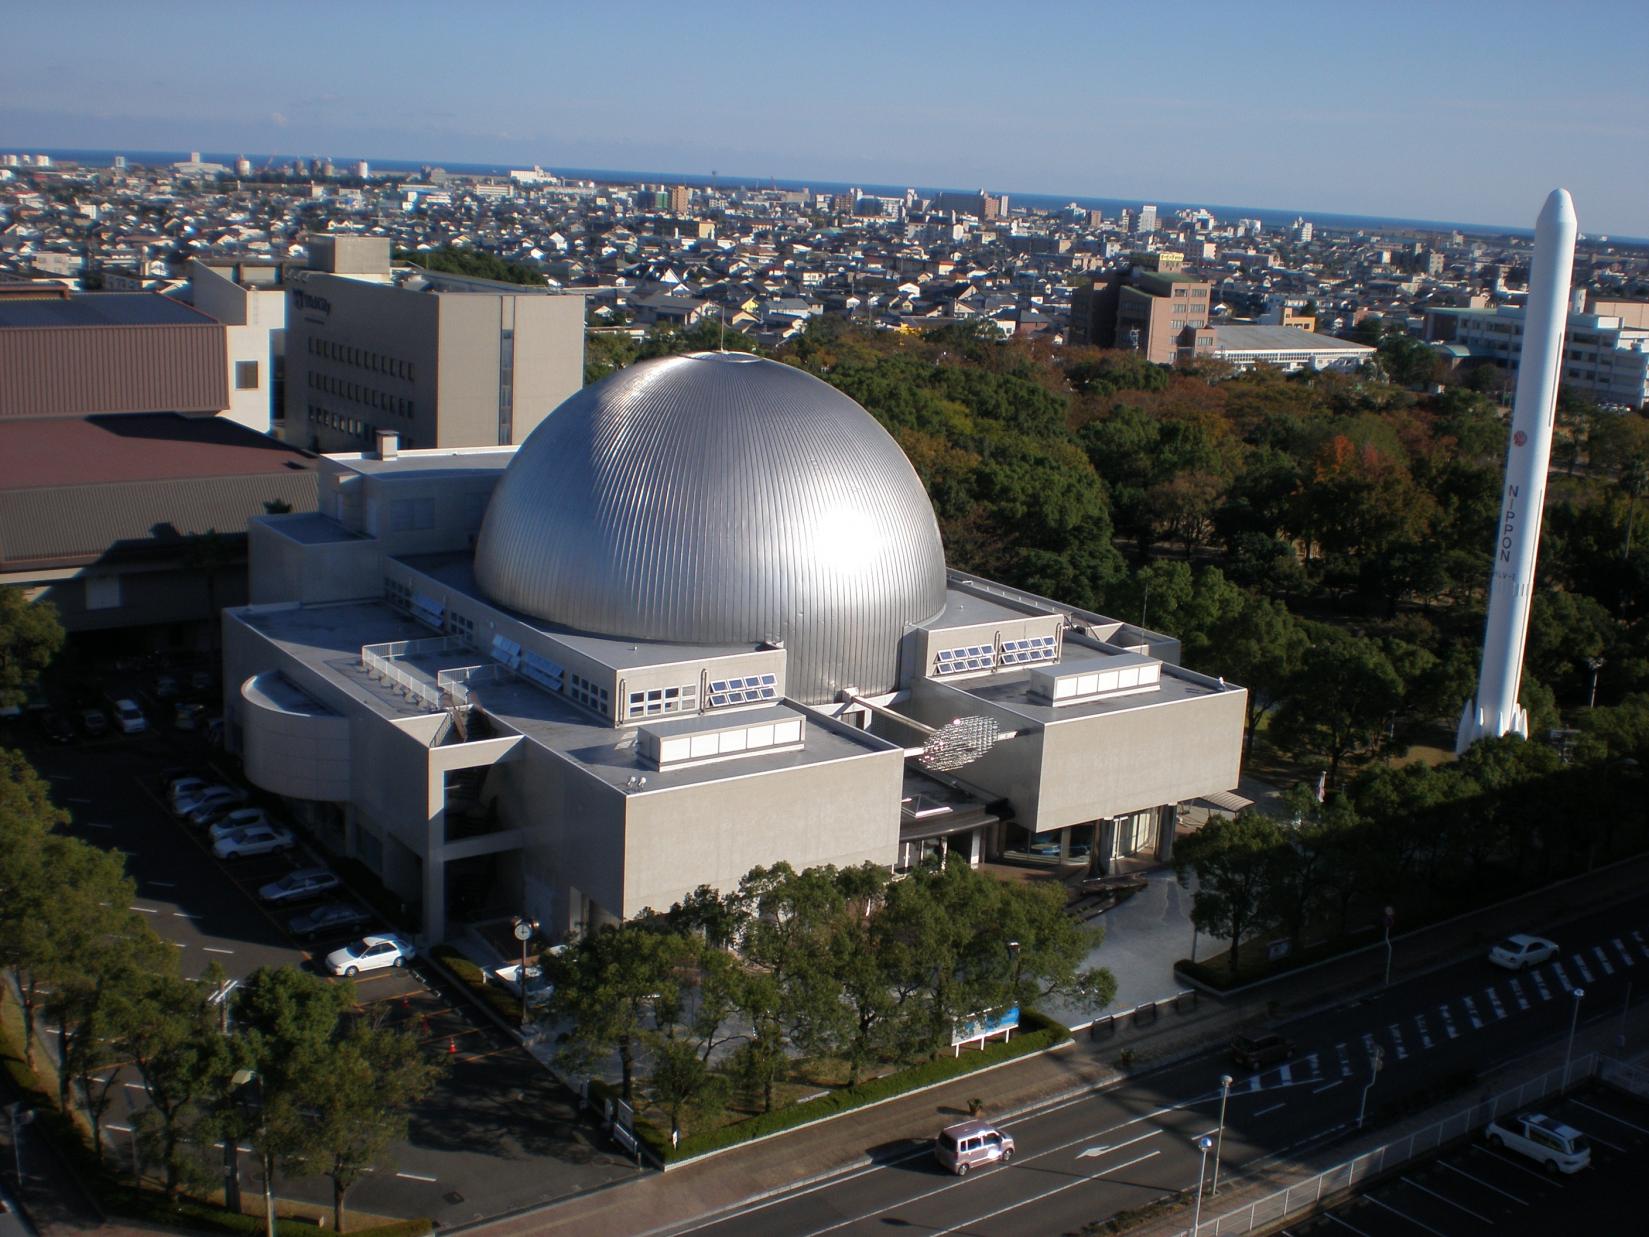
(1604, 358)
(699, 621)
(1289, 348)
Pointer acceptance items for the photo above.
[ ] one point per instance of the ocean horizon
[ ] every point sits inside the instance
(1272, 217)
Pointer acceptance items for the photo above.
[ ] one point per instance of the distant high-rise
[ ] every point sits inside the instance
(1302, 231)
(681, 199)
(363, 169)
(1147, 218)
(980, 205)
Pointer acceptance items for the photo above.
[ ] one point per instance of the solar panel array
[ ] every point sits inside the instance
(1033, 648)
(960, 661)
(752, 689)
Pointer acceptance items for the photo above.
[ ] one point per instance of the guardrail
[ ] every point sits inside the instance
(1143, 1015)
(380, 659)
(1304, 1196)
(1629, 1078)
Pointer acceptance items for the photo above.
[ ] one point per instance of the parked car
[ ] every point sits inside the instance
(188, 715)
(258, 840)
(328, 917)
(1261, 1050)
(186, 787)
(539, 989)
(207, 796)
(93, 722)
(214, 808)
(56, 728)
(370, 953)
(296, 886)
(165, 687)
(129, 717)
(235, 818)
(1520, 951)
(1561, 1148)
(970, 1144)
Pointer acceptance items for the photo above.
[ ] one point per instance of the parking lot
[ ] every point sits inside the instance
(496, 1134)
(1476, 1188)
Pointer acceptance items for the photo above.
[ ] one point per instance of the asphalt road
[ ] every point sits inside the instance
(1089, 1158)
(498, 1133)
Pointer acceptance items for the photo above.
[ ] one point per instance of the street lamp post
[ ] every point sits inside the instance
(1204, 1142)
(1596, 664)
(1219, 1141)
(1375, 1063)
(1574, 1021)
(240, 1078)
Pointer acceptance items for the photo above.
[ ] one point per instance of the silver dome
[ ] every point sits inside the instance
(720, 499)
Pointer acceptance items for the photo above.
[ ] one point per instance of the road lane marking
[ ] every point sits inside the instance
(1347, 1224)
(147, 910)
(1638, 937)
(1104, 1149)
(1404, 1215)
(1603, 958)
(1262, 1112)
(192, 915)
(1522, 1202)
(414, 1177)
(1540, 986)
(1448, 1022)
(162, 884)
(1517, 992)
(1620, 1120)
(1345, 1059)
(1444, 1199)
(1494, 1002)
(1368, 1044)
(1396, 1033)
(1286, 1074)
(1071, 1185)
(1425, 1036)
(1316, 1066)
(1580, 964)
(1563, 980)
(1327, 1086)
(1254, 1082)
(94, 824)
(1625, 954)
(1471, 1012)
(212, 950)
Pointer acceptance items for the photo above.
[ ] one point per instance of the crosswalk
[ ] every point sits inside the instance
(1467, 1012)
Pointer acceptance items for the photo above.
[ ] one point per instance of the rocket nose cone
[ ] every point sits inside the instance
(1559, 209)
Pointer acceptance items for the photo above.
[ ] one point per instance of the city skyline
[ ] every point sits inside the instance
(1212, 108)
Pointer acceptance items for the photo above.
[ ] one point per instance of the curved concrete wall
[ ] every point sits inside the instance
(291, 745)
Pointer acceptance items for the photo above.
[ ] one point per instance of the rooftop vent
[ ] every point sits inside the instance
(1100, 678)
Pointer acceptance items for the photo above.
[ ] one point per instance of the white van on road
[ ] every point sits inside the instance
(1561, 1148)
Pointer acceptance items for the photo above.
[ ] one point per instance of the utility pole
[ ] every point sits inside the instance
(1219, 1142)
(1375, 1064)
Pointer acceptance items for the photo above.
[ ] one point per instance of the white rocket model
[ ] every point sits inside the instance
(1496, 711)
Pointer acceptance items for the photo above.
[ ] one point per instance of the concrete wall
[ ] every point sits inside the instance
(283, 569)
(549, 357)
(467, 378)
(290, 750)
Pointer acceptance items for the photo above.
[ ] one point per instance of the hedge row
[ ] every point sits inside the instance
(121, 1198)
(503, 1003)
(1037, 1034)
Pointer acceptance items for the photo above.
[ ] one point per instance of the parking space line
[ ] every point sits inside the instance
(1327, 1086)
(1425, 1037)
(1625, 954)
(1471, 1012)
(1580, 964)
(1444, 1199)
(1397, 1038)
(1494, 1001)
(1495, 1155)
(1540, 986)
(1563, 981)
(1347, 1224)
(1603, 960)
(1448, 1022)
(1404, 1215)
(1517, 993)
(1262, 1112)
(1620, 1120)
(1522, 1202)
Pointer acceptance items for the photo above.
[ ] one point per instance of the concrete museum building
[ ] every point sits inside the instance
(699, 620)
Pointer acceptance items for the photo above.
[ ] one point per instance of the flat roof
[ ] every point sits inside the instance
(101, 309)
(965, 609)
(47, 452)
(1280, 339)
(327, 640)
(456, 570)
(1014, 690)
(429, 460)
(313, 528)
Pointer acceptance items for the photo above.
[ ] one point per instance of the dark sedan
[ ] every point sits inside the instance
(328, 917)
(1258, 1051)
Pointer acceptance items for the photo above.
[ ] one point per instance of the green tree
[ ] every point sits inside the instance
(30, 636)
(184, 1060)
(1234, 862)
(360, 1101)
(682, 1078)
(1341, 700)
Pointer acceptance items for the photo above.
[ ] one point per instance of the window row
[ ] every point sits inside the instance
(659, 700)
(369, 396)
(347, 425)
(364, 358)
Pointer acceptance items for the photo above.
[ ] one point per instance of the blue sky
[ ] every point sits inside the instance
(1464, 110)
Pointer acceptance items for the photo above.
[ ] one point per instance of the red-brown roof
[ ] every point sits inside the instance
(49, 451)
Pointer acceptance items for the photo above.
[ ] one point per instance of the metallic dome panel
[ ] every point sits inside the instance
(720, 498)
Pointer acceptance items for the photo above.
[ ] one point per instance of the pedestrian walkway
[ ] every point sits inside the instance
(659, 1202)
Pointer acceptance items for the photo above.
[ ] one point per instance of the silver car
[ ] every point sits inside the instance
(970, 1144)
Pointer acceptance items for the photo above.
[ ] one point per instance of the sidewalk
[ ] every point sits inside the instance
(660, 1201)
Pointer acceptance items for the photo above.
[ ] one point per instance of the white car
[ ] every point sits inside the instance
(207, 796)
(185, 788)
(370, 953)
(539, 989)
(257, 840)
(129, 717)
(1519, 952)
(240, 818)
(1561, 1148)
